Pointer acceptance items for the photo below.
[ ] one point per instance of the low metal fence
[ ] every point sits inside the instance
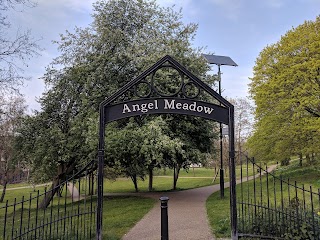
(66, 211)
(271, 207)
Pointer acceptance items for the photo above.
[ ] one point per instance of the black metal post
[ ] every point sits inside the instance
(232, 177)
(100, 174)
(221, 144)
(164, 218)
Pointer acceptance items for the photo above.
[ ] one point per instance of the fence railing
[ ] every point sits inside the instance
(66, 211)
(270, 207)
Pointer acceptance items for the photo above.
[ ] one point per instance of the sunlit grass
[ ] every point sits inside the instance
(268, 192)
(218, 211)
(159, 184)
(163, 181)
(120, 214)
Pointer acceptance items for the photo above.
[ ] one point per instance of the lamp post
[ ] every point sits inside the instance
(219, 61)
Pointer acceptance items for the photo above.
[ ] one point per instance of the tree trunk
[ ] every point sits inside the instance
(49, 194)
(63, 171)
(300, 159)
(308, 159)
(135, 183)
(150, 179)
(176, 176)
(3, 190)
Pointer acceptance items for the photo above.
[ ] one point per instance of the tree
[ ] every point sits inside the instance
(136, 150)
(286, 90)
(197, 136)
(14, 48)
(124, 38)
(12, 109)
(243, 121)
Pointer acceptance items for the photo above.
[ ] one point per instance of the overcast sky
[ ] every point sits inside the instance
(236, 28)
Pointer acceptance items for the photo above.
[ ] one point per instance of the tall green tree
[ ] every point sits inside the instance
(124, 39)
(286, 90)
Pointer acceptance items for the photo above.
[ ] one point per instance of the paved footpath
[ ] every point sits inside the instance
(186, 212)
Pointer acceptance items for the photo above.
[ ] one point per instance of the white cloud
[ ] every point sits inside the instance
(231, 8)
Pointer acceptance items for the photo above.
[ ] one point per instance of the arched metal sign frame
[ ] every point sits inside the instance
(143, 95)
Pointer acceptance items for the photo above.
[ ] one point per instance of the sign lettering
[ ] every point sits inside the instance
(167, 105)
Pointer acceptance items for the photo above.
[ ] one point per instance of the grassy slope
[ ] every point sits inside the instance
(218, 210)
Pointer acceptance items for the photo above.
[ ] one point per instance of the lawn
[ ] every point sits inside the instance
(123, 211)
(159, 184)
(257, 192)
(120, 214)
(163, 180)
(218, 211)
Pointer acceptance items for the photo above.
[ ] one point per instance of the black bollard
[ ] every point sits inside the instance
(221, 183)
(164, 218)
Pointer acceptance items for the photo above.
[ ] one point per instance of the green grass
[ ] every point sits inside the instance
(159, 184)
(218, 210)
(17, 194)
(191, 172)
(163, 180)
(307, 175)
(14, 185)
(198, 172)
(120, 214)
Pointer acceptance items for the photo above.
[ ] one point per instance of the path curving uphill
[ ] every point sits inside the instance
(186, 212)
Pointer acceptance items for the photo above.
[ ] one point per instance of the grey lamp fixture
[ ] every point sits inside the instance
(219, 61)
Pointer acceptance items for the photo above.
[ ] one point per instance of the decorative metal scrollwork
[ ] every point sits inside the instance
(168, 78)
(144, 86)
(190, 93)
(164, 81)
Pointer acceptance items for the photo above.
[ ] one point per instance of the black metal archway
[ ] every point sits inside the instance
(187, 95)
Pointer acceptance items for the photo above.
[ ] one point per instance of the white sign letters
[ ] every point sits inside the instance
(166, 104)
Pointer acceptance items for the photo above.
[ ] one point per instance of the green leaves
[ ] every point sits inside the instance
(286, 90)
(124, 39)
(135, 148)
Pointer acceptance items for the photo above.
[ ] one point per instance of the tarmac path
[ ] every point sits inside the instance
(186, 213)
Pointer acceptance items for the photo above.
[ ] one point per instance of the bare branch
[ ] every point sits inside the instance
(14, 51)
(312, 111)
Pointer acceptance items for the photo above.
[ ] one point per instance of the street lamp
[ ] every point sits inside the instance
(219, 61)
